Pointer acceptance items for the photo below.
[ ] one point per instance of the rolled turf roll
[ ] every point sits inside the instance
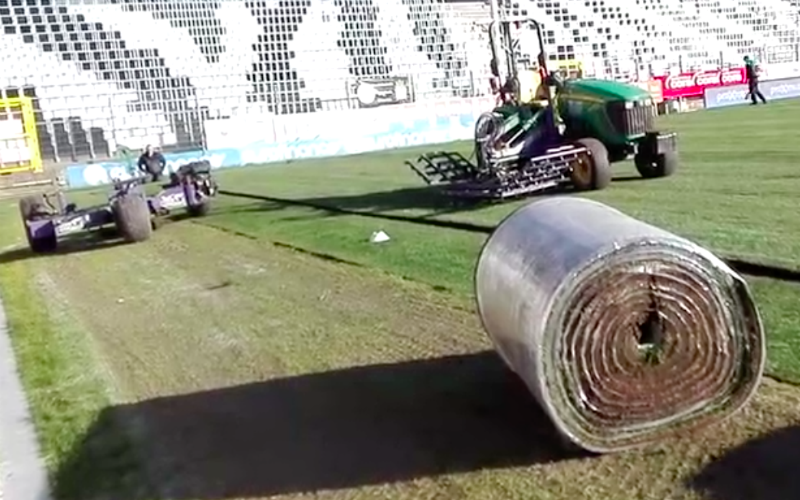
(625, 334)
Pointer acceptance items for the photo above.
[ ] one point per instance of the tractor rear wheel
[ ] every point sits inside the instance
(660, 165)
(132, 217)
(592, 169)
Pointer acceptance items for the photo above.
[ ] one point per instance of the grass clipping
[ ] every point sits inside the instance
(625, 333)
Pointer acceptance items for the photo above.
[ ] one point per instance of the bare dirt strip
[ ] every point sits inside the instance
(242, 370)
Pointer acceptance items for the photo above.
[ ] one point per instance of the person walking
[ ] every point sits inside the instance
(751, 73)
(152, 163)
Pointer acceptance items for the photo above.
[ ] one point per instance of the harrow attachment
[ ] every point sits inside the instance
(499, 177)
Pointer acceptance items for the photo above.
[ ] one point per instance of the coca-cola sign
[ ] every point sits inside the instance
(693, 84)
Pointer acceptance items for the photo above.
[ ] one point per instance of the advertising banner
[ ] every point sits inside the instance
(256, 131)
(101, 173)
(655, 88)
(257, 140)
(695, 83)
(721, 97)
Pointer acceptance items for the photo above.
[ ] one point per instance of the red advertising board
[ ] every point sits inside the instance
(655, 88)
(693, 84)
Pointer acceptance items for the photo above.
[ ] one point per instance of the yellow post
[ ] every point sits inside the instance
(30, 137)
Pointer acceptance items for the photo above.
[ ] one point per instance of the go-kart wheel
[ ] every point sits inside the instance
(132, 216)
(661, 165)
(30, 205)
(198, 194)
(592, 169)
(199, 210)
(45, 239)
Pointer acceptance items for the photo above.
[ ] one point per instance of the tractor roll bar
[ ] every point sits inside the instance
(500, 26)
(504, 23)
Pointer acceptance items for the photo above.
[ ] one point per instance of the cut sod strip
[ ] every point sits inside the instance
(22, 472)
(626, 334)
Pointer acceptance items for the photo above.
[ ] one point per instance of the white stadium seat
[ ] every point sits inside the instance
(112, 73)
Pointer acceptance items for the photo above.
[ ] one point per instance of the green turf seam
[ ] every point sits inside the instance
(738, 263)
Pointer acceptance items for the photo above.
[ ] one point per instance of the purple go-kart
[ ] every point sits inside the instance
(128, 208)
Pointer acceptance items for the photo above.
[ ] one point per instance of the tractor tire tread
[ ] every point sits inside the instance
(601, 165)
(663, 165)
(132, 217)
(199, 210)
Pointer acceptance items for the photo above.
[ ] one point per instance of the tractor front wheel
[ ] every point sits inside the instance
(592, 169)
(653, 166)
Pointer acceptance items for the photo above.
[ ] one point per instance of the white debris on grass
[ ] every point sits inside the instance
(379, 237)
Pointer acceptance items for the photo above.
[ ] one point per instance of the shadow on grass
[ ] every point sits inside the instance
(348, 205)
(341, 429)
(763, 469)
(87, 242)
(630, 178)
(426, 199)
(359, 205)
(96, 239)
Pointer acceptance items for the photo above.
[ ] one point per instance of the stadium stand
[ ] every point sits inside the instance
(107, 74)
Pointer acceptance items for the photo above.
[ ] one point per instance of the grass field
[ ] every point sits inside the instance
(271, 350)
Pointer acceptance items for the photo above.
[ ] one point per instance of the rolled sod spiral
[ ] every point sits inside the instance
(625, 333)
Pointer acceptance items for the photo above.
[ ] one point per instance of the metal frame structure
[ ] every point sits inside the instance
(23, 106)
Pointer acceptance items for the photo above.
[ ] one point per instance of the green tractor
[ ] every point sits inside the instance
(568, 133)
